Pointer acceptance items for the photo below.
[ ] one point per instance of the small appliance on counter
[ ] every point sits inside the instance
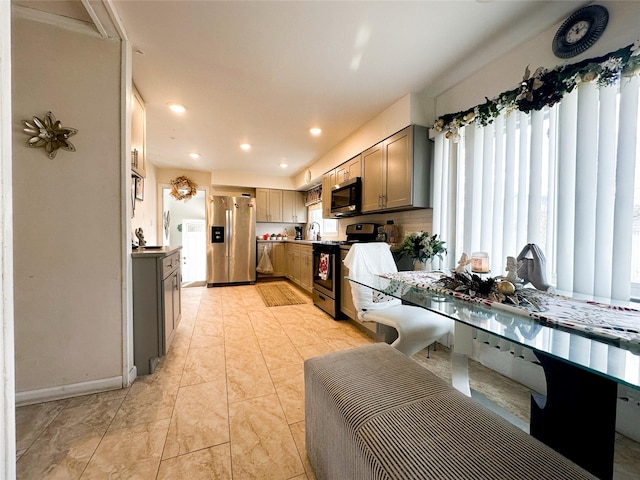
(298, 233)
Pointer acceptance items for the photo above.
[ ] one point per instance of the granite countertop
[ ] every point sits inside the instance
(154, 251)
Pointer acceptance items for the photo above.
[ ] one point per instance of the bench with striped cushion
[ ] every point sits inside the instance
(373, 413)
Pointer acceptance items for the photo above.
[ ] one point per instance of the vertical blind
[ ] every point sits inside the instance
(562, 177)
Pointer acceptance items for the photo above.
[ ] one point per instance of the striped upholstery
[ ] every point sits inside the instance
(373, 413)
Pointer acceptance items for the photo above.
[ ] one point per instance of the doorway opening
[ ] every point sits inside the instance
(184, 224)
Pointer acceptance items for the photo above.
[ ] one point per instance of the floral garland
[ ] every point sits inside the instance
(546, 88)
(182, 188)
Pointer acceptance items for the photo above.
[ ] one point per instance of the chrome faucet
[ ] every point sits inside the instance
(311, 229)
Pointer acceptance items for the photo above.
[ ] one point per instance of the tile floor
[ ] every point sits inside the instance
(226, 402)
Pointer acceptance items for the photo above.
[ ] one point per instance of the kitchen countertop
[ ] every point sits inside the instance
(154, 251)
(299, 242)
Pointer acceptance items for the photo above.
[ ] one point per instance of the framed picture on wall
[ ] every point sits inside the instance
(139, 188)
(133, 196)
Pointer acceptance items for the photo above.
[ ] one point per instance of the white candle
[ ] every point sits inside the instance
(480, 262)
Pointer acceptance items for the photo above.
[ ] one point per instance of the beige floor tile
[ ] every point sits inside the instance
(98, 397)
(32, 420)
(247, 377)
(280, 354)
(151, 398)
(204, 365)
(300, 335)
(297, 430)
(627, 459)
(129, 453)
(289, 383)
(67, 444)
(232, 348)
(309, 351)
(200, 419)
(261, 442)
(241, 345)
(207, 334)
(173, 362)
(268, 327)
(210, 463)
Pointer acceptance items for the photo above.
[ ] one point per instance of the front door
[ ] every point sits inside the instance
(194, 247)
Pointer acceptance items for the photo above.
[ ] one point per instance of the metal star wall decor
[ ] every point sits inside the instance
(50, 134)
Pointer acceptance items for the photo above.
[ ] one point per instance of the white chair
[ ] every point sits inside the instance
(417, 327)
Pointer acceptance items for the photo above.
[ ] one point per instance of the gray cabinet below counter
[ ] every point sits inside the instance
(157, 304)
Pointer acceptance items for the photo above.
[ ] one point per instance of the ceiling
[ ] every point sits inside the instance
(264, 72)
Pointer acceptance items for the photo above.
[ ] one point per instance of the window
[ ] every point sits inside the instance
(328, 226)
(566, 178)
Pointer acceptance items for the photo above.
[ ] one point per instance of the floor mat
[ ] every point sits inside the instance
(278, 295)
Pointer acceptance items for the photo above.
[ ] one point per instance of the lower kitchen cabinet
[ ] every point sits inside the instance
(300, 265)
(157, 304)
(276, 252)
(346, 300)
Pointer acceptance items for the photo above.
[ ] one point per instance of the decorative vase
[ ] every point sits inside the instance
(419, 266)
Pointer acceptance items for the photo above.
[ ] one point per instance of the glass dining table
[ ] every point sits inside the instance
(583, 365)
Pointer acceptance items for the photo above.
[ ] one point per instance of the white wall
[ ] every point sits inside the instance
(383, 125)
(506, 73)
(145, 215)
(67, 232)
(231, 178)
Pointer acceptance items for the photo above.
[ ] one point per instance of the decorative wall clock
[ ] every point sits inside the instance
(580, 31)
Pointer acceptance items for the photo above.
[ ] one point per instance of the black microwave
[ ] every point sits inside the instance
(346, 197)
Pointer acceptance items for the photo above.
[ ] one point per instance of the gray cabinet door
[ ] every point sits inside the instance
(167, 289)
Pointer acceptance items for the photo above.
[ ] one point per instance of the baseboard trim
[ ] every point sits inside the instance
(30, 397)
(133, 374)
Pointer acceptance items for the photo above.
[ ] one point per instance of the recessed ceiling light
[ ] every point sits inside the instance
(283, 164)
(315, 131)
(245, 146)
(177, 108)
(194, 155)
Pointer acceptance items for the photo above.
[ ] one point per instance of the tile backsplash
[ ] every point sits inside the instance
(407, 222)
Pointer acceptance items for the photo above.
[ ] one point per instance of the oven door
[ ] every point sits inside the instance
(324, 268)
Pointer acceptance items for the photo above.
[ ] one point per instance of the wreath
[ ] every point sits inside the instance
(182, 188)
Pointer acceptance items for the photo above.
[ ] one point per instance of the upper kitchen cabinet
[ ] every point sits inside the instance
(328, 182)
(268, 205)
(138, 135)
(396, 172)
(293, 207)
(349, 169)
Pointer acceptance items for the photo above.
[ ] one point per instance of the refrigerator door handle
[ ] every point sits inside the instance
(229, 232)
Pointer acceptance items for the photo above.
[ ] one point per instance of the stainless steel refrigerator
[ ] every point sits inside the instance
(231, 249)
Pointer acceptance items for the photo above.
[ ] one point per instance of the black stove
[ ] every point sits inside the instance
(326, 266)
(361, 232)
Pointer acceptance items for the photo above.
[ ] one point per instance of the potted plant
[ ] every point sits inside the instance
(422, 248)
